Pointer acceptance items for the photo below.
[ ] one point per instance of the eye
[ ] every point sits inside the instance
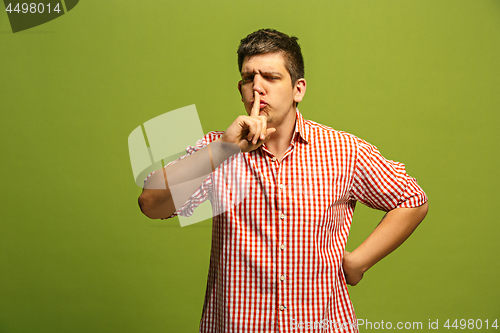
(247, 79)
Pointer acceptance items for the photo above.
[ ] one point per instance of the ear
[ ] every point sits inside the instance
(299, 90)
(239, 89)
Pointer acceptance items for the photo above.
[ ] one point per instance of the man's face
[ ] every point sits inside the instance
(267, 75)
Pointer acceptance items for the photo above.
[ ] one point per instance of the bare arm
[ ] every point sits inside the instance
(245, 134)
(393, 230)
(184, 178)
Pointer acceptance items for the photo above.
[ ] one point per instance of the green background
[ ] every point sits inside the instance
(420, 79)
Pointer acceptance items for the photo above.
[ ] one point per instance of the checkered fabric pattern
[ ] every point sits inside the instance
(276, 258)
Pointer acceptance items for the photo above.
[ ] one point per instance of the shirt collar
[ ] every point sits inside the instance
(301, 130)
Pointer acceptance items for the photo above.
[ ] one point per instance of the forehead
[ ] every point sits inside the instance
(264, 62)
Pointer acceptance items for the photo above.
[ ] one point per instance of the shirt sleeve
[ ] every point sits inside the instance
(383, 184)
(204, 191)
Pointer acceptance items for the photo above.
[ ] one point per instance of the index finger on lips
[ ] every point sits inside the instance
(256, 105)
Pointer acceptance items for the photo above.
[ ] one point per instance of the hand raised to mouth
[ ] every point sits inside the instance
(249, 132)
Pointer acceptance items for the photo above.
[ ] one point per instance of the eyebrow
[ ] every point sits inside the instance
(261, 72)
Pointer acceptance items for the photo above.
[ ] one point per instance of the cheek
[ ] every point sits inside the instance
(287, 95)
(245, 93)
(247, 98)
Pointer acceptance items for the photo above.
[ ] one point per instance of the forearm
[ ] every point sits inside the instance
(173, 186)
(392, 231)
(169, 188)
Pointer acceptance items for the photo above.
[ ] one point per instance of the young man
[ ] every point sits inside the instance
(278, 260)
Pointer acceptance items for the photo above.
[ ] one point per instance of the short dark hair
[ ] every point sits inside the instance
(270, 41)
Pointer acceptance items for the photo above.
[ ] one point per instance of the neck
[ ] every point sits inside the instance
(280, 140)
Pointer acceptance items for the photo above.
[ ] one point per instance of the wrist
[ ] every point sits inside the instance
(226, 148)
(359, 261)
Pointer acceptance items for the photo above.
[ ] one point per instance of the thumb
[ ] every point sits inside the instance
(269, 132)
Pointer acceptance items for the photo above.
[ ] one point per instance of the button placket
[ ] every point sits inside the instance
(282, 235)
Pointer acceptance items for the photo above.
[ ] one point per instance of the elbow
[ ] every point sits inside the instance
(155, 204)
(146, 205)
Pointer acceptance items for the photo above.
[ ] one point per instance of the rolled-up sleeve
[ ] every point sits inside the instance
(204, 191)
(383, 184)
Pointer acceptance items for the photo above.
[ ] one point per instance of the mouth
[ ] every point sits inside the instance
(262, 105)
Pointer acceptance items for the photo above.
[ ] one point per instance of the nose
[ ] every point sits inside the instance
(258, 81)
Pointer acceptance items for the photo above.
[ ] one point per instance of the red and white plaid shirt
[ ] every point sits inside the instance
(276, 258)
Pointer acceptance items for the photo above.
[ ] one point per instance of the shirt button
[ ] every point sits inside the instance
(282, 216)
(273, 159)
(282, 246)
(281, 186)
(282, 308)
(282, 278)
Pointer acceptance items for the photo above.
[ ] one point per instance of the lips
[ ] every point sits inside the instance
(262, 105)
